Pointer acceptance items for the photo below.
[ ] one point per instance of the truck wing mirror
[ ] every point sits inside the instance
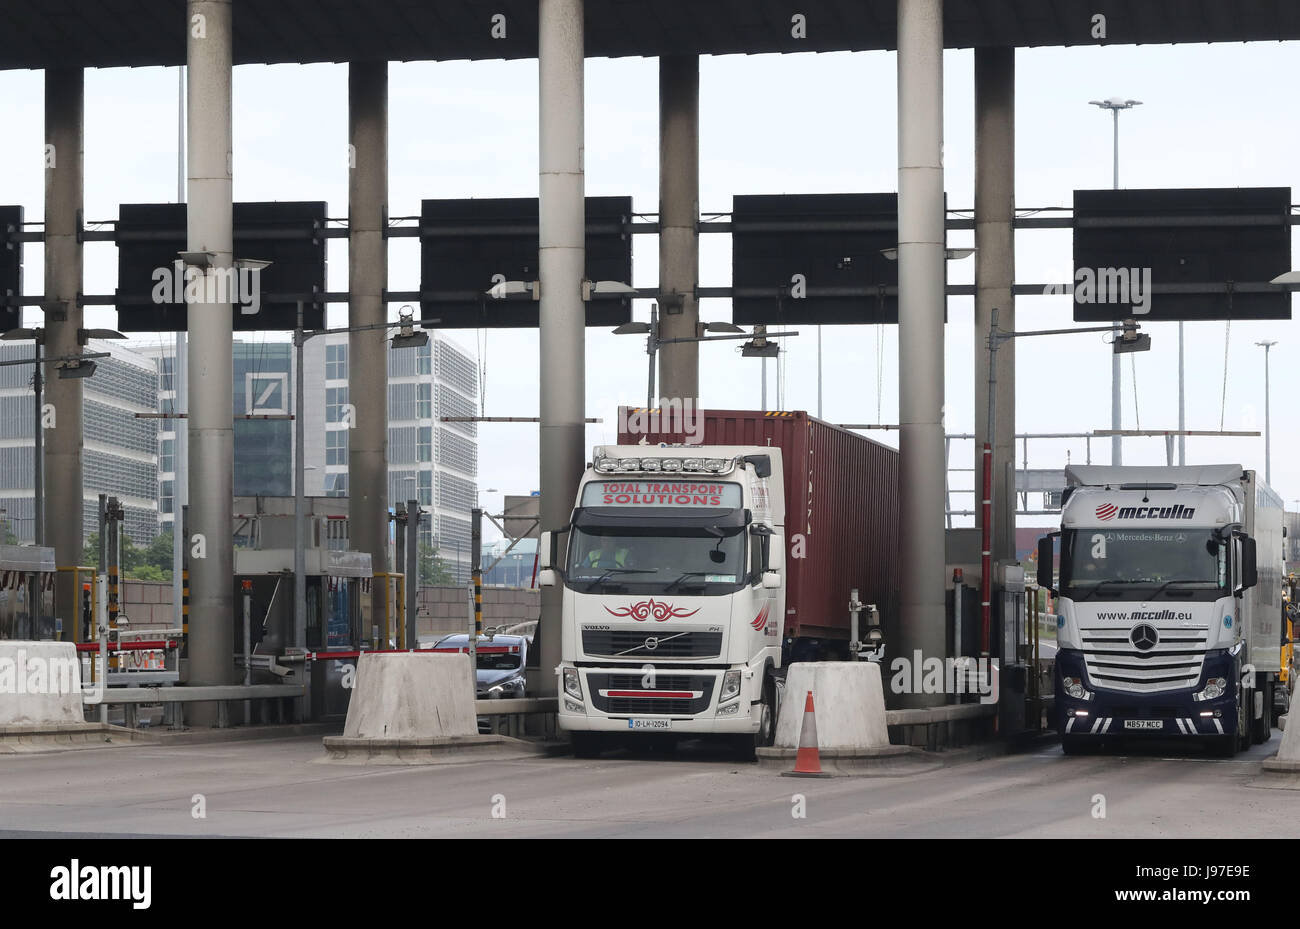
(545, 551)
(1249, 569)
(1046, 555)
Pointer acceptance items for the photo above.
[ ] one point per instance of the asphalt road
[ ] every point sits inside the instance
(284, 788)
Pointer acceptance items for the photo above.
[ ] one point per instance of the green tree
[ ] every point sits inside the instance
(153, 563)
(433, 572)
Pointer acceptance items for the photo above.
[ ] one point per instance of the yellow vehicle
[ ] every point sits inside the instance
(1290, 623)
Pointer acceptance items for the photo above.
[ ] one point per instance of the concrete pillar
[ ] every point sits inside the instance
(64, 102)
(211, 409)
(679, 212)
(562, 263)
(921, 281)
(995, 267)
(368, 351)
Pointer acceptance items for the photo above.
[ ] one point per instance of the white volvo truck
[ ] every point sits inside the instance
(674, 594)
(1169, 610)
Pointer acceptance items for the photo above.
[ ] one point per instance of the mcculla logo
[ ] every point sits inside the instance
(1107, 511)
(103, 882)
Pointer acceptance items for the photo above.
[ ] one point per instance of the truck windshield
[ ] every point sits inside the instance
(694, 559)
(1109, 564)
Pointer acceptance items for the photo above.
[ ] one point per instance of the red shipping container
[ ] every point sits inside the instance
(841, 521)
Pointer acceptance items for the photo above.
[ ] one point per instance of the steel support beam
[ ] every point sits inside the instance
(62, 515)
(562, 264)
(209, 44)
(995, 268)
(921, 273)
(679, 212)
(368, 351)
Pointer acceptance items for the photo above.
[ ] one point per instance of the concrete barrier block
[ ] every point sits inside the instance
(849, 699)
(412, 695)
(1290, 750)
(40, 683)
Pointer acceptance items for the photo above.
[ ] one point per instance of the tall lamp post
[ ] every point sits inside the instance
(1115, 104)
(1268, 456)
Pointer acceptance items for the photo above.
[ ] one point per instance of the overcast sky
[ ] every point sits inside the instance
(1213, 115)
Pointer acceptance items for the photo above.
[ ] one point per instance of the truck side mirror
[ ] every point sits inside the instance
(771, 580)
(545, 551)
(1249, 570)
(546, 577)
(1046, 554)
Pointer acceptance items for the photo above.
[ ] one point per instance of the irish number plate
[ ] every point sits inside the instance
(649, 723)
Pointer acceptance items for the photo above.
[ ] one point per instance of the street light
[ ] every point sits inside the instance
(1115, 104)
(728, 331)
(1268, 457)
(68, 366)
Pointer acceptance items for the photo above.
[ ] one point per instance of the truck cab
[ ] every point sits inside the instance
(1167, 609)
(673, 595)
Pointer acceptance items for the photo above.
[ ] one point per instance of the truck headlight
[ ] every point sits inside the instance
(572, 683)
(1214, 689)
(730, 686)
(1073, 687)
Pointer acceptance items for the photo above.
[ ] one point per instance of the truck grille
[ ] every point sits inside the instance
(1174, 663)
(642, 705)
(631, 643)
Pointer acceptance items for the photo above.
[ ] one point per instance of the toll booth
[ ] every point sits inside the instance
(27, 574)
(337, 620)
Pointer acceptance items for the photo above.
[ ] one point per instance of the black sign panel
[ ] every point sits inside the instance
(1181, 254)
(151, 285)
(11, 267)
(814, 258)
(467, 246)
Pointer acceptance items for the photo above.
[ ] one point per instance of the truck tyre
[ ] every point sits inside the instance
(586, 744)
(765, 735)
(1262, 728)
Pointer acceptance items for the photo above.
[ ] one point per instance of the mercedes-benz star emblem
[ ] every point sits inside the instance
(1144, 637)
(651, 643)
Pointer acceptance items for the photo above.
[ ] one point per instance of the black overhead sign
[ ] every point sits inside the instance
(11, 267)
(814, 259)
(467, 246)
(152, 288)
(1182, 254)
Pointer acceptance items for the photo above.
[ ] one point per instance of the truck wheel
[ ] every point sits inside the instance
(1262, 728)
(586, 744)
(745, 746)
(766, 733)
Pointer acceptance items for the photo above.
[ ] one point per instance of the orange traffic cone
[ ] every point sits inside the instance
(808, 762)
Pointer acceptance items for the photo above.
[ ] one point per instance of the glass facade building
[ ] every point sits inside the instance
(121, 456)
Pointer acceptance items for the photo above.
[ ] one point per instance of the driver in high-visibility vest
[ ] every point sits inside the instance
(602, 559)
